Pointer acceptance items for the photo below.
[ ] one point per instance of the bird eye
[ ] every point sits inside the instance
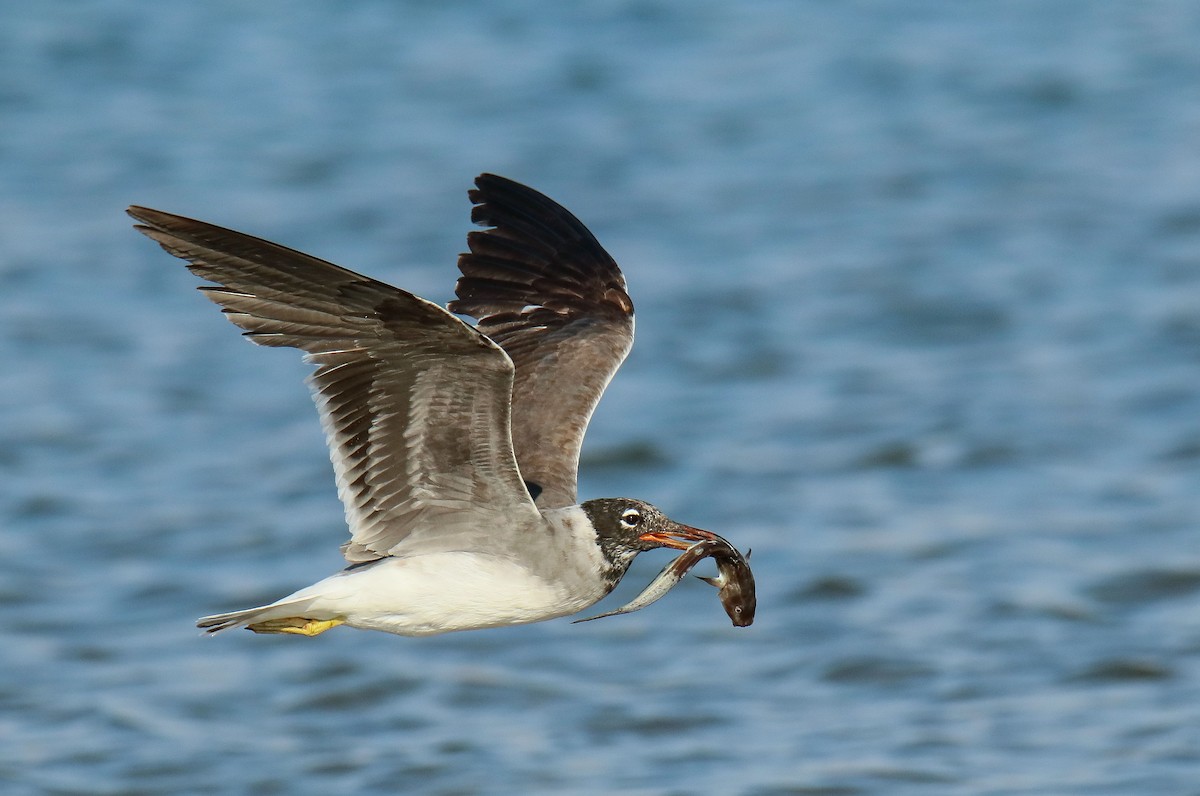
(631, 518)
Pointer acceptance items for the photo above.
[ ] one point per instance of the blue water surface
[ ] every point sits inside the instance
(918, 291)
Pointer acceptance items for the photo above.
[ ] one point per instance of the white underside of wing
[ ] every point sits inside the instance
(418, 500)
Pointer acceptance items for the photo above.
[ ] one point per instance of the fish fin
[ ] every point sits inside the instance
(711, 581)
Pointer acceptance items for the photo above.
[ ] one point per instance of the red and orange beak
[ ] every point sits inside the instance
(680, 537)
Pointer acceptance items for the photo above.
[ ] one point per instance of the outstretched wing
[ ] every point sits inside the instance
(544, 289)
(414, 402)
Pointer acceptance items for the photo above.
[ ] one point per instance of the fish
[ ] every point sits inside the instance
(734, 581)
(735, 585)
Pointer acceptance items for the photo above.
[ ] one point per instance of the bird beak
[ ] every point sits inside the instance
(680, 537)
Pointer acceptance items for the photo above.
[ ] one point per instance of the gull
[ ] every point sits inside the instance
(455, 447)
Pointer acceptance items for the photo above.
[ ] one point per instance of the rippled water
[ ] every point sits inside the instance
(919, 321)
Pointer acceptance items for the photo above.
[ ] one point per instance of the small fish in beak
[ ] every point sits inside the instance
(734, 579)
(735, 582)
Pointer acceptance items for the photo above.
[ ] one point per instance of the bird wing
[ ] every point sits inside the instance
(542, 287)
(414, 402)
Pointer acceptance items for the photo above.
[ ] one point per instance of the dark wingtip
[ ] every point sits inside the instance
(139, 213)
(535, 252)
(151, 220)
(150, 216)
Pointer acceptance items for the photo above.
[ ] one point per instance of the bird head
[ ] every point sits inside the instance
(626, 527)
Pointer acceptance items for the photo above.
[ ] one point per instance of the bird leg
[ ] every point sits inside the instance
(296, 625)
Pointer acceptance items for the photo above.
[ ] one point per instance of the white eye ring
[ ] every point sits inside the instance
(631, 518)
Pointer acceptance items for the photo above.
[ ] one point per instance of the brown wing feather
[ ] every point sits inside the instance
(414, 402)
(543, 288)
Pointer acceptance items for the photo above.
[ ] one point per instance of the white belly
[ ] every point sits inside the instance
(439, 593)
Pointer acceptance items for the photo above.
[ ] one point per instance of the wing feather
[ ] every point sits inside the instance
(415, 403)
(541, 286)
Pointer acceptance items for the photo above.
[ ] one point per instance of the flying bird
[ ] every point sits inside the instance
(455, 447)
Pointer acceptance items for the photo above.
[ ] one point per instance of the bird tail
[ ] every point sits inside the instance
(285, 616)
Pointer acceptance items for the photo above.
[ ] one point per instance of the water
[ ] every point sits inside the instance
(919, 321)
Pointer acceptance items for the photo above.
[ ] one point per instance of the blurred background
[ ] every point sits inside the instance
(919, 321)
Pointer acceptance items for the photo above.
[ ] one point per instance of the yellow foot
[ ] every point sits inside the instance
(297, 625)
